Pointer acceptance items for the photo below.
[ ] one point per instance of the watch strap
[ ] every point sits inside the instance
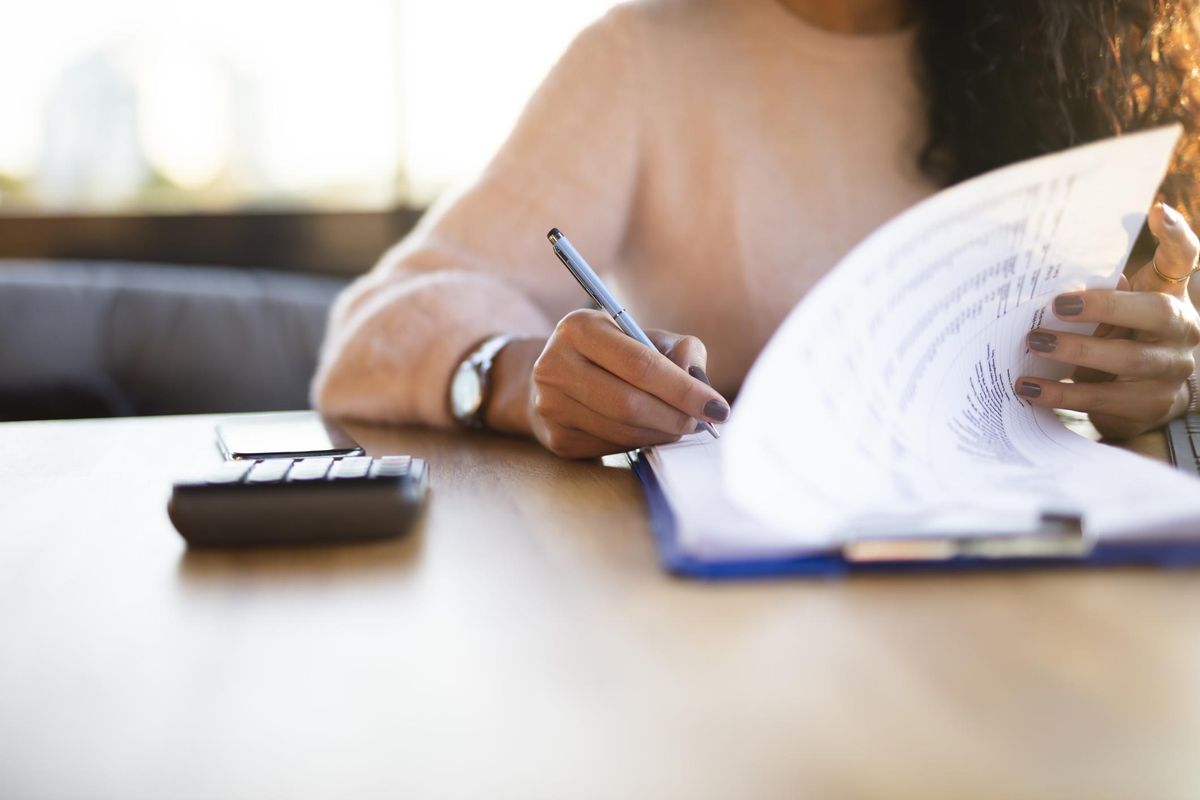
(481, 359)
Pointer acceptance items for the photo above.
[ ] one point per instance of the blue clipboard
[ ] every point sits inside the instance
(676, 560)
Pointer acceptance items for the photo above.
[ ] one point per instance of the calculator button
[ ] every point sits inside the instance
(419, 471)
(391, 466)
(270, 470)
(309, 469)
(1195, 437)
(347, 468)
(229, 472)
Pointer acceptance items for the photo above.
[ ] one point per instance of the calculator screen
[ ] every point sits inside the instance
(294, 434)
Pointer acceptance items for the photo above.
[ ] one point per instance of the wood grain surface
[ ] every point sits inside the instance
(523, 643)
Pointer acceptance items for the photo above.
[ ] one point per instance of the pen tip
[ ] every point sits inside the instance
(554, 235)
(713, 430)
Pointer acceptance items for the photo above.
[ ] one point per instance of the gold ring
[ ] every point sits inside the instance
(1168, 278)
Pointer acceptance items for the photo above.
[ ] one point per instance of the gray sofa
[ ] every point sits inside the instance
(84, 339)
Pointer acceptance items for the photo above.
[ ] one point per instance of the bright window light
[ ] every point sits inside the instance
(218, 104)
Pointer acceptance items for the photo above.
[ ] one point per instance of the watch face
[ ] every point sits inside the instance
(466, 392)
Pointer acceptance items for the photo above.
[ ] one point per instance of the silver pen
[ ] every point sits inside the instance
(592, 284)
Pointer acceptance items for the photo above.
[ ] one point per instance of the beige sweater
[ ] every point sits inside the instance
(711, 158)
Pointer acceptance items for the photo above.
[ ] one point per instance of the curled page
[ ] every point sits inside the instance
(885, 402)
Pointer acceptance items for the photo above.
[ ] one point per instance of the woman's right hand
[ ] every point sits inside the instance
(592, 390)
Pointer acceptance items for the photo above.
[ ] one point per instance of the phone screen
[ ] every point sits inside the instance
(298, 435)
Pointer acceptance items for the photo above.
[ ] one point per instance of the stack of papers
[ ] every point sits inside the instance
(884, 404)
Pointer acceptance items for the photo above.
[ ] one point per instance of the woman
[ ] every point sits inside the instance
(713, 158)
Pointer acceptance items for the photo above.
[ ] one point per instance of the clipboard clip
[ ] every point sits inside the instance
(1058, 537)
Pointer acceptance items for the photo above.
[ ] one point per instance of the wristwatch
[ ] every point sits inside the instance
(471, 384)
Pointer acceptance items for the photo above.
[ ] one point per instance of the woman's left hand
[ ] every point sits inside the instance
(1132, 373)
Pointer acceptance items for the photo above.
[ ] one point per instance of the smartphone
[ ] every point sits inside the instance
(301, 434)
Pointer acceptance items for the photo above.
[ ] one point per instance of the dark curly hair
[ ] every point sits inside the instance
(1006, 80)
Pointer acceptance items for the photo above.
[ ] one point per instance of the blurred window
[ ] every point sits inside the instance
(159, 105)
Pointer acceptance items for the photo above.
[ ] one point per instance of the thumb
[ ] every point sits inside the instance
(688, 352)
(1175, 256)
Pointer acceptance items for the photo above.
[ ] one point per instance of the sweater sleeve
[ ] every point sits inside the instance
(479, 264)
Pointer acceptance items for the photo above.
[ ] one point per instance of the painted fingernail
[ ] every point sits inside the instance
(716, 410)
(1042, 342)
(699, 428)
(1172, 216)
(1068, 305)
(1027, 389)
(698, 374)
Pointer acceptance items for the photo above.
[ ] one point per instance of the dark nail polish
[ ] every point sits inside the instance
(698, 374)
(699, 428)
(1027, 389)
(1068, 305)
(1042, 342)
(716, 410)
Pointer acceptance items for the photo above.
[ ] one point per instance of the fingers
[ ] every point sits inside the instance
(1161, 315)
(1125, 357)
(1110, 331)
(569, 414)
(1175, 256)
(1104, 331)
(1141, 402)
(595, 337)
(570, 443)
(1146, 330)
(614, 399)
(594, 390)
(687, 352)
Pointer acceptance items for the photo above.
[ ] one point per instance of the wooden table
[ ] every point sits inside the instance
(524, 644)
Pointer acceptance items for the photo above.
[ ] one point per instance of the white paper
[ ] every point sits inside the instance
(708, 522)
(884, 404)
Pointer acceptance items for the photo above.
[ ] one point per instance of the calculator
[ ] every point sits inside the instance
(1183, 441)
(274, 501)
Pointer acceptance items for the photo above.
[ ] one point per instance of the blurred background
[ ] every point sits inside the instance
(258, 139)
(238, 107)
